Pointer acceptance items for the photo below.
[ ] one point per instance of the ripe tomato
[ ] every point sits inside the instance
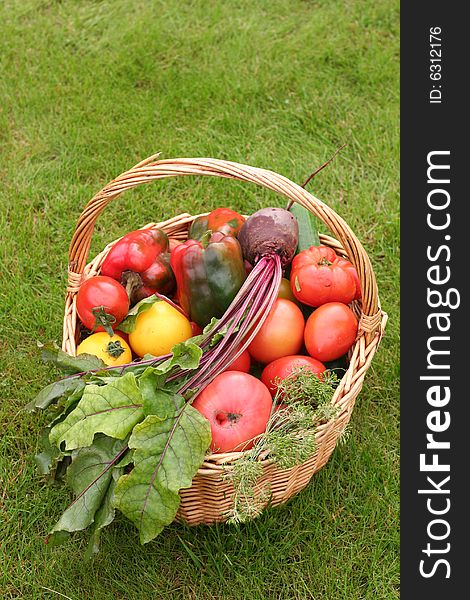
(158, 329)
(102, 303)
(281, 333)
(345, 264)
(113, 350)
(242, 363)
(238, 407)
(330, 331)
(281, 368)
(319, 276)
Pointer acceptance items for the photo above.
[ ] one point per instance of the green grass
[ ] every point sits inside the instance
(87, 90)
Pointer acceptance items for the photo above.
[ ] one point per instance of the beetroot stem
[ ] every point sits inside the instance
(260, 300)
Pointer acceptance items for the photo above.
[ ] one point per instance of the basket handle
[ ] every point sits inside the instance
(151, 169)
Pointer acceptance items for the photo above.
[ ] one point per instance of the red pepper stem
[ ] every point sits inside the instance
(206, 238)
(131, 281)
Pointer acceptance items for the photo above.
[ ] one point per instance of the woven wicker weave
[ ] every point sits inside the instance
(210, 497)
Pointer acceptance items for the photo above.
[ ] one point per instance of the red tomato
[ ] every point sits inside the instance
(319, 276)
(330, 331)
(345, 264)
(281, 333)
(104, 296)
(283, 367)
(238, 407)
(242, 363)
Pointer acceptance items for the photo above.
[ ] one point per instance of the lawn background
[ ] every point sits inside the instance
(87, 90)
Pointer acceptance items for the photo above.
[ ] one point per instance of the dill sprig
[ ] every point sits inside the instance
(306, 387)
(249, 498)
(302, 401)
(345, 434)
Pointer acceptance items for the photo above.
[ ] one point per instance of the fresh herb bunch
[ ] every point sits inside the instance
(302, 402)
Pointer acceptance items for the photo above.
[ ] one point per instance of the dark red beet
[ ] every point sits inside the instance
(269, 231)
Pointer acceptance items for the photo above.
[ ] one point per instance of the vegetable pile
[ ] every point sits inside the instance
(231, 341)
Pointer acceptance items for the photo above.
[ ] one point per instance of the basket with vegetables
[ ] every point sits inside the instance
(210, 363)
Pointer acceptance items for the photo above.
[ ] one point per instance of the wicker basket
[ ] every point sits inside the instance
(211, 495)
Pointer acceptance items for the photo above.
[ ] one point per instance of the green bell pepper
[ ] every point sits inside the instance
(208, 275)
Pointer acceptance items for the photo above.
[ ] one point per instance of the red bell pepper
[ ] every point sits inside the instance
(140, 261)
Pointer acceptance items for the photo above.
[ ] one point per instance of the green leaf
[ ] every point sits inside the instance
(150, 380)
(50, 455)
(112, 409)
(185, 355)
(46, 459)
(163, 404)
(156, 400)
(210, 326)
(167, 455)
(89, 476)
(216, 337)
(308, 227)
(128, 324)
(67, 363)
(53, 392)
(104, 516)
(57, 538)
